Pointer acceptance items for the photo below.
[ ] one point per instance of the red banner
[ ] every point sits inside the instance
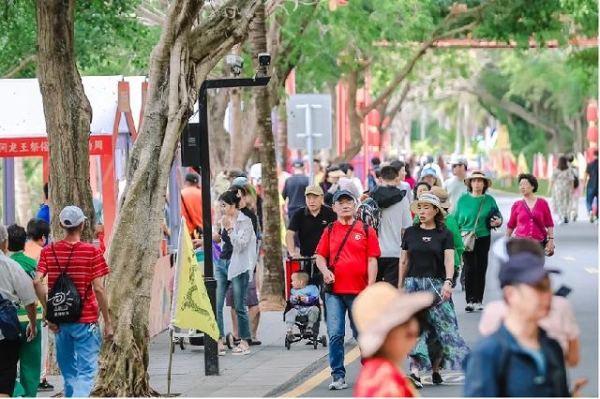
(38, 147)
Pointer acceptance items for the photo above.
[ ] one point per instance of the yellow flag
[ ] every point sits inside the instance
(191, 308)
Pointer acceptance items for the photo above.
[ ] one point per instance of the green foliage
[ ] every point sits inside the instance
(108, 38)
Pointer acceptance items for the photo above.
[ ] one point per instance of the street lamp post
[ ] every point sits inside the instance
(211, 355)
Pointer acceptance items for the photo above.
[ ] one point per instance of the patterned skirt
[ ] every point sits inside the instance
(442, 339)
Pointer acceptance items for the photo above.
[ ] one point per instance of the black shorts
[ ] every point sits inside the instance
(9, 357)
(388, 269)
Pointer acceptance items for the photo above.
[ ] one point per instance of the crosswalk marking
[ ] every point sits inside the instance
(569, 258)
(591, 270)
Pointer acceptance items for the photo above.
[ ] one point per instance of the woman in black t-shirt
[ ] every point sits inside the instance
(427, 264)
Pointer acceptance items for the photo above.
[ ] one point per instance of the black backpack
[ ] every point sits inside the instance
(64, 302)
(9, 321)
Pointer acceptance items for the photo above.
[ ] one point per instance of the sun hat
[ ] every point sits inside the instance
(429, 171)
(343, 193)
(442, 195)
(478, 175)
(313, 189)
(523, 268)
(427, 198)
(379, 308)
(71, 216)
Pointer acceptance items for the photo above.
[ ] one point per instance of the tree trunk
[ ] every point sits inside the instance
(236, 129)
(219, 138)
(67, 112)
(282, 135)
(22, 194)
(273, 279)
(182, 59)
(354, 120)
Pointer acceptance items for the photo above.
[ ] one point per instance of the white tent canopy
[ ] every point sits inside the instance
(22, 113)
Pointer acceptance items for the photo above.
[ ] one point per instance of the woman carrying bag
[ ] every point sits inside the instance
(476, 213)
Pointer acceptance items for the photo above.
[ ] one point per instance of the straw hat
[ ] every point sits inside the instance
(380, 308)
(427, 198)
(442, 195)
(478, 175)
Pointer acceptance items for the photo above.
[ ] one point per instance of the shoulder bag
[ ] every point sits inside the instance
(328, 288)
(469, 237)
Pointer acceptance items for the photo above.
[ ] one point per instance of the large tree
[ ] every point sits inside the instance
(185, 54)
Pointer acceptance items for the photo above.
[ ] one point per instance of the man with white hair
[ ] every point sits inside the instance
(455, 186)
(15, 287)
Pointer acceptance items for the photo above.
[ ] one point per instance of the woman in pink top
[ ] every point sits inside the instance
(531, 216)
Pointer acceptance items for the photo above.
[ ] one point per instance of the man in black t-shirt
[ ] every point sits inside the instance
(591, 183)
(309, 223)
(294, 188)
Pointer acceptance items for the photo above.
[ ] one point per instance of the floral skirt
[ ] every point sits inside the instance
(442, 339)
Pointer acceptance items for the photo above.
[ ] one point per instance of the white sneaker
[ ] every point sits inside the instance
(338, 384)
(479, 306)
(470, 307)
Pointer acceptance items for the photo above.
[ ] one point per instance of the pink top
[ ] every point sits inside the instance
(560, 323)
(522, 222)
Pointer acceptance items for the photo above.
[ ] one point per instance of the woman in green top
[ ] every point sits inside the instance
(473, 212)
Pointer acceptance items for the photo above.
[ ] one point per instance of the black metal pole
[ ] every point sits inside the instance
(211, 354)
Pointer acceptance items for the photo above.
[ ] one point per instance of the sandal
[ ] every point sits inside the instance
(222, 351)
(241, 349)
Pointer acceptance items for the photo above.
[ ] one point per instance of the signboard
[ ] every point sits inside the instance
(309, 116)
(38, 147)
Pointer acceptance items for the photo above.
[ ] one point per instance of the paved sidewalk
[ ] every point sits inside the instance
(255, 375)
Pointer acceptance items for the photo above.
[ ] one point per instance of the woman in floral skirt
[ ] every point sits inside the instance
(427, 264)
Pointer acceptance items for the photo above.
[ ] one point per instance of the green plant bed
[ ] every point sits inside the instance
(512, 186)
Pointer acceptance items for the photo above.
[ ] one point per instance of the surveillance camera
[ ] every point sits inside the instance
(235, 62)
(264, 59)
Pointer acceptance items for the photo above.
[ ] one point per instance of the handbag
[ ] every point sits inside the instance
(469, 237)
(328, 287)
(541, 227)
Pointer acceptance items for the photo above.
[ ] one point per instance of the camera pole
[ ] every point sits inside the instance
(211, 355)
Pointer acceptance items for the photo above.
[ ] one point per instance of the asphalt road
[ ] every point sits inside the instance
(577, 258)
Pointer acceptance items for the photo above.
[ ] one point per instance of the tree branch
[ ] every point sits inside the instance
(512, 108)
(391, 114)
(19, 67)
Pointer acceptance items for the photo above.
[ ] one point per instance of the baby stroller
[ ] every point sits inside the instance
(308, 266)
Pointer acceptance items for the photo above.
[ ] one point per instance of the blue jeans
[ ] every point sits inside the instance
(77, 349)
(240, 286)
(337, 305)
(590, 194)
(221, 267)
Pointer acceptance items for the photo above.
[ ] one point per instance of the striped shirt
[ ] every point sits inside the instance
(85, 265)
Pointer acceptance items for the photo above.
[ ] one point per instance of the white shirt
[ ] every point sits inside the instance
(455, 188)
(15, 284)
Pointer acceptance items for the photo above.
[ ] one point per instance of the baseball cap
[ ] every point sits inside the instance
(429, 172)
(458, 160)
(523, 268)
(71, 216)
(342, 193)
(298, 163)
(313, 189)
(192, 178)
(240, 181)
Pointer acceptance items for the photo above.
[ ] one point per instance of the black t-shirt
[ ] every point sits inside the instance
(310, 228)
(294, 189)
(227, 249)
(592, 170)
(426, 251)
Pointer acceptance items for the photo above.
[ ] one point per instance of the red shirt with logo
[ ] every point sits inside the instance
(351, 268)
(380, 378)
(86, 264)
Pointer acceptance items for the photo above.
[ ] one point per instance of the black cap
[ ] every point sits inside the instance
(192, 178)
(523, 268)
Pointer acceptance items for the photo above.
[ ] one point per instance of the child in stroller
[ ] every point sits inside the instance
(302, 311)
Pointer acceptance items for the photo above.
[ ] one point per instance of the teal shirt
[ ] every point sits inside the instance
(459, 247)
(466, 213)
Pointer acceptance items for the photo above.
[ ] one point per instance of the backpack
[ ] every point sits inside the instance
(64, 301)
(369, 213)
(9, 321)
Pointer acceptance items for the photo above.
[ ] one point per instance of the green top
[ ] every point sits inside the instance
(467, 209)
(459, 247)
(30, 266)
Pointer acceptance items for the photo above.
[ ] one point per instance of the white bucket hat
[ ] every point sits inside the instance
(427, 198)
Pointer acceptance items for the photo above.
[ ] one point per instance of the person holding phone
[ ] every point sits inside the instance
(427, 264)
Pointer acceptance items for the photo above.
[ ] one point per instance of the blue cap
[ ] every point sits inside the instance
(298, 163)
(523, 268)
(239, 181)
(428, 172)
(342, 193)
